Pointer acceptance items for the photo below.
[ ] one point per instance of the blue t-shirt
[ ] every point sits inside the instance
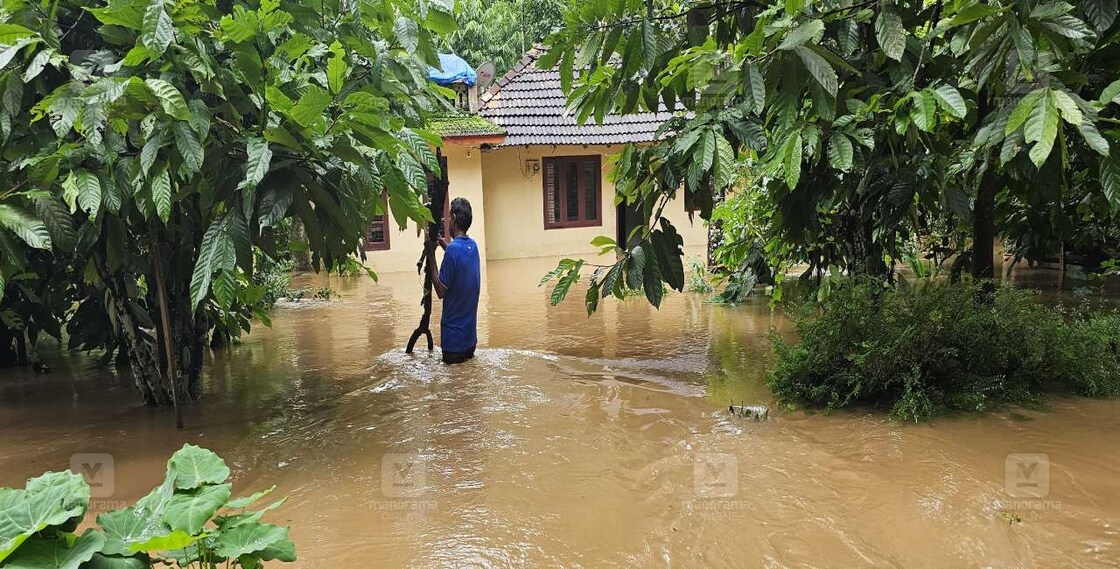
(460, 274)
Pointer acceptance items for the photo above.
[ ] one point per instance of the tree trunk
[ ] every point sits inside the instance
(984, 226)
(301, 260)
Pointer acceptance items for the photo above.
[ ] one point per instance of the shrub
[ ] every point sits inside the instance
(939, 348)
(188, 519)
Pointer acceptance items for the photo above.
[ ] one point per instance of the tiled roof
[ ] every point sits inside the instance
(463, 125)
(529, 104)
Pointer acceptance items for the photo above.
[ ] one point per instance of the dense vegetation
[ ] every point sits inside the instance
(852, 135)
(188, 520)
(152, 150)
(939, 348)
(502, 31)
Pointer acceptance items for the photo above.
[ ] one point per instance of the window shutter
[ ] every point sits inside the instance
(551, 193)
(590, 173)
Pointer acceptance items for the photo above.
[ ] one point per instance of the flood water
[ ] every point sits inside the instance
(576, 441)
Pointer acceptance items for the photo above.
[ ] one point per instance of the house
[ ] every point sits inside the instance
(537, 180)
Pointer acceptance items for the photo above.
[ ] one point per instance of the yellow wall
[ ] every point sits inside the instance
(509, 210)
(515, 207)
(464, 174)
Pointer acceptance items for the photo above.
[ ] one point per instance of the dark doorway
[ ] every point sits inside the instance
(629, 217)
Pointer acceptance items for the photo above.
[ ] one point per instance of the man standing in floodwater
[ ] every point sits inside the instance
(457, 284)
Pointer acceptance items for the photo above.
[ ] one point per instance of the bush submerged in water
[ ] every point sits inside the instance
(940, 348)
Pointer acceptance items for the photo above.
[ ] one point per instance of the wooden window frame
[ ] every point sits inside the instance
(380, 245)
(558, 162)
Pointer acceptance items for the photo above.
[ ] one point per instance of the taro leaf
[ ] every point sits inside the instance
(129, 527)
(56, 553)
(250, 538)
(99, 561)
(52, 499)
(189, 512)
(194, 466)
(177, 539)
(283, 550)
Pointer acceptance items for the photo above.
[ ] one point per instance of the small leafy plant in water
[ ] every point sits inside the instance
(187, 521)
(940, 348)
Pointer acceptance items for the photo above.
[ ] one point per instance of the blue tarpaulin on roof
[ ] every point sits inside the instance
(455, 70)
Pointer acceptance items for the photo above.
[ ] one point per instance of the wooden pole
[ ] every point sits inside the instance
(165, 322)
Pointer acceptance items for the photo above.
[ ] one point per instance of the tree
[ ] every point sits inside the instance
(502, 31)
(846, 116)
(168, 140)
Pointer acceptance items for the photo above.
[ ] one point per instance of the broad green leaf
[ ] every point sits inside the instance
(951, 100)
(56, 553)
(924, 110)
(707, 150)
(1093, 137)
(9, 52)
(791, 160)
(336, 68)
(601, 241)
(408, 34)
(840, 152)
(1023, 110)
(158, 30)
(128, 527)
(189, 147)
(216, 252)
(246, 501)
(258, 159)
(1101, 13)
(805, 33)
(161, 192)
(755, 87)
(241, 26)
(37, 64)
(723, 171)
(890, 33)
(82, 189)
(99, 561)
(651, 281)
(52, 499)
(635, 267)
(667, 247)
(194, 466)
(177, 539)
(1066, 105)
(1042, 129)
(189, 512)
(1110, 182)
(819, 68)
(309, 109)
(564, 283)
(1111, 94)
(27, 227)
(972, 12)
(11, 33)
(170, 99)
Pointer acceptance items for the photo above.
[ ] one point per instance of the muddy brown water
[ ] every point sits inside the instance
(575, 441)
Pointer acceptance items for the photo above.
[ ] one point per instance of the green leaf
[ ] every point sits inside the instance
(170, 99)
(241, 26)
(56, 553)
(840, 152)
(308, 111)
(791, 160)
(651, 281)
(99, 561)
(161, 192)
(1110, 184)
(158, 30)
(249, 538)
(1042, 129)
(246, 501)
(805, 33)
(707, 150)
(177, 539)
(216, 252)
(82, 189)
(565, 282)
(1066, 106)
(189, 512)
(924, 110)
(601, 241)
(667, 245)
(259, 158)
(28, 228)
(128, 527)
(951, 100)
(1023, 109)
(194, 466)
(37, 64)
(336, 68)
(723, 172)
(890, 33)
(755, 87)
(408, 34)
(1093, 137)
(1111, 94)
(52, 499)
(636, 267)
(189, 147)
(819, 68)
(11, 33)
(1101, 13)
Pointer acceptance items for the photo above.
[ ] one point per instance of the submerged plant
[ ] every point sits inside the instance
(941, 348)
(188, 520)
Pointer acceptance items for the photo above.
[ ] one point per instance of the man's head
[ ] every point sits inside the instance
(461, 216)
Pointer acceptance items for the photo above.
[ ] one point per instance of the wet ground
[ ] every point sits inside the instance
(576, 441)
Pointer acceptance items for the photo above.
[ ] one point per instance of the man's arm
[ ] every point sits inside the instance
(433, 270)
